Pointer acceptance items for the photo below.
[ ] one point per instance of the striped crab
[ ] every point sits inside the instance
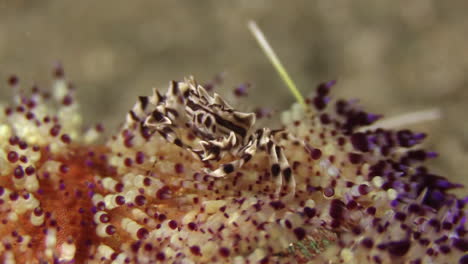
(220, 128)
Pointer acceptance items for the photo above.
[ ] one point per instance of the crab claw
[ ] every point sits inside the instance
(210, 150)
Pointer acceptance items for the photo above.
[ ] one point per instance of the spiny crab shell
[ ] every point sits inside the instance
(362, 196)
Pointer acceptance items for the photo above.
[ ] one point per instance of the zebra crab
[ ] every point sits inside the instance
(220, 128)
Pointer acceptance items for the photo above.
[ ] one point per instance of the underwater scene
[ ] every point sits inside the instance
(233, 132)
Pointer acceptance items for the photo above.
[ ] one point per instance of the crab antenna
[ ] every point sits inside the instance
(270, 53)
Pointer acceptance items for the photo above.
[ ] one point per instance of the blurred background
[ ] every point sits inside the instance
(395, 56)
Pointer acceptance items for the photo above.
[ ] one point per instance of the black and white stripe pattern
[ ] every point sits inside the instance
(221, 129)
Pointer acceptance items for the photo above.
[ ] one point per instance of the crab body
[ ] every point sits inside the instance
(220, 128)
